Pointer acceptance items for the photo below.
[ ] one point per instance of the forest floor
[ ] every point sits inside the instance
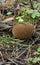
(14, 51)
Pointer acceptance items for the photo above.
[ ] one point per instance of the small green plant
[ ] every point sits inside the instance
(33, 13)
(6, 39)
(27, 14)
(37, 52)
(36, 4)
(19, 19)
(35, 59)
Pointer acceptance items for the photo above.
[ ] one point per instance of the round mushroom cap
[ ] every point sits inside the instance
(23, 30)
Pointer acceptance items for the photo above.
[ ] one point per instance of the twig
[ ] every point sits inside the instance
(31, 3)
(21, 54)
(2, 57)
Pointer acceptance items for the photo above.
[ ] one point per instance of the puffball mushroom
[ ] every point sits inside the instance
(23, 30)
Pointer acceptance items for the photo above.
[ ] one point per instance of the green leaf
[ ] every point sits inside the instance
(29, 59)
(36, 53)
(9, 13)
(36, 4)
(38, 49)
(30, 11)
(36, 59)
(38, 14)
(20, 20)
(33, 15)
(18, 17)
